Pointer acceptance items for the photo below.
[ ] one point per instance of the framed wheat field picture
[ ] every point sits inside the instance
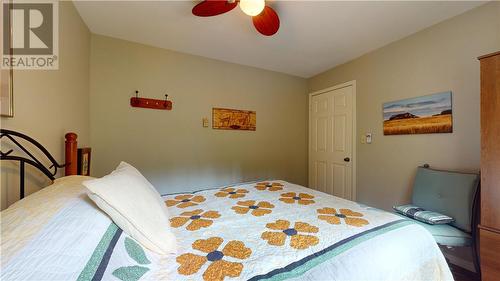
(422, 115)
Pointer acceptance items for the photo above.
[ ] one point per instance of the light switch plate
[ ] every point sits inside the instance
(368, 138)
(205, 122)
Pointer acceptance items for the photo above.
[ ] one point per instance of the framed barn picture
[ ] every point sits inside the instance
(422, 115)
(233, 119)
(83, 167)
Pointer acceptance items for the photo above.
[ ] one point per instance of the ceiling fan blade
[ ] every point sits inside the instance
(267, 22)
(208, 8)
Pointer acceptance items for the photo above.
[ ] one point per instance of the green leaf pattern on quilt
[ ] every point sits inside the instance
(130, 273)
(135, 272)
(135, 251)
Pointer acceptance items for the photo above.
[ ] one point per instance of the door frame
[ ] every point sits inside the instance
(354, 131)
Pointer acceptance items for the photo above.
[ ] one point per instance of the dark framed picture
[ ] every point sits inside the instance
(83, 167)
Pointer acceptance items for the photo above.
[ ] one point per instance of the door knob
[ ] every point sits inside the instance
(347, 159)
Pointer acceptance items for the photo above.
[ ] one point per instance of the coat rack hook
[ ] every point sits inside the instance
(136, 93)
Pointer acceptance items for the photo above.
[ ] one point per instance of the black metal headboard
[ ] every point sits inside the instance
(14, 136)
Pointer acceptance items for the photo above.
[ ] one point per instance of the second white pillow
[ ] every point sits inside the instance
(135, 206)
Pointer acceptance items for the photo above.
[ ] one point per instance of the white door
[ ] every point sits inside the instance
(331, 142)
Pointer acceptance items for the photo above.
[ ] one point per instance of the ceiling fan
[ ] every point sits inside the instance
(264, 18)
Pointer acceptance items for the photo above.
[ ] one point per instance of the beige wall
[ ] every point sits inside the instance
(47, 104)
(172, 148)
(440, 58)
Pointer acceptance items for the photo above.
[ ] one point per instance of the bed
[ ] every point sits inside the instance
(266, 230)
(270, 230)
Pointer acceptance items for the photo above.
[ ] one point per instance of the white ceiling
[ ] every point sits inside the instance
(314, 35)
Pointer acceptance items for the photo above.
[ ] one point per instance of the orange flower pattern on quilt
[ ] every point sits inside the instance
(218, 266)
(231, 192)
(274, 186)
(184, 201)
(257, 209)
(301, 198)
(350, 217)
(300, 234)
(197, 219)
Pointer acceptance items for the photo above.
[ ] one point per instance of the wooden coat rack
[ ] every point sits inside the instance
(150, 103)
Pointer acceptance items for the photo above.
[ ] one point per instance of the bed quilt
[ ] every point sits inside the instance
(269, 230)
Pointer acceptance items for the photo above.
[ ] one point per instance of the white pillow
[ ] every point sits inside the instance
(135, 206)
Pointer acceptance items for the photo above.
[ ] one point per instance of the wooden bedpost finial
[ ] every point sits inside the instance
(71, 136)
(71, 154)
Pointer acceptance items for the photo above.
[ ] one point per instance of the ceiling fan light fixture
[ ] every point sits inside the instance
(252, 7)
